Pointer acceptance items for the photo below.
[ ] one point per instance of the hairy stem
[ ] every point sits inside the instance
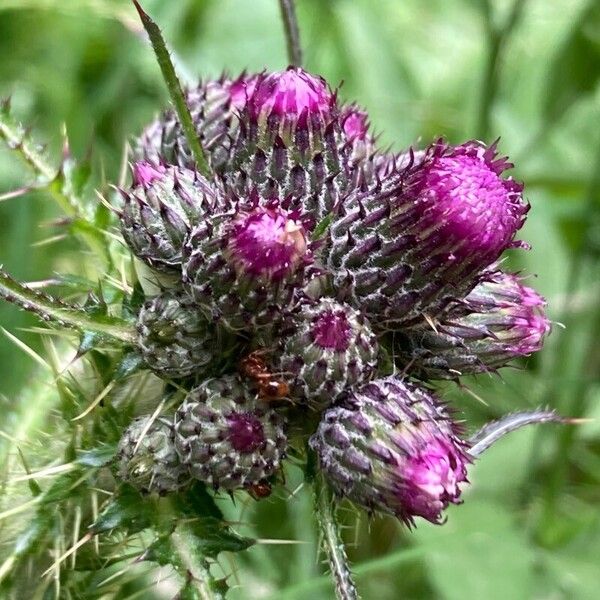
(200, 578)
(332, 541)
(292, 32)
(51, 309)
(175, 91)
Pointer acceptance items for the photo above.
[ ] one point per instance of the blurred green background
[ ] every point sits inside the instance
(527, 71)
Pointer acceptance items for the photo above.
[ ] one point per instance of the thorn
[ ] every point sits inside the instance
(430, 322)
(18, 192)
(66, 149)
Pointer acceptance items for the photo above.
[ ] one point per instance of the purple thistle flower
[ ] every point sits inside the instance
(243, 266)
(241, 89)
(419, 236)
(145, 173)
(213, 105)
(326, 348)
(227, 437)
(391, 447)
(355, 126)
(500, 320)
(466, 202)
(290, 143)
(293, 96)
(160, 209)
(268, 243)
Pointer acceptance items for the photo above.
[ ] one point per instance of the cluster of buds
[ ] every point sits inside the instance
(308, 264)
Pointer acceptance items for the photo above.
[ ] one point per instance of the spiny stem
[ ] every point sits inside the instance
(201, 579)
(51, 309)
(332, 541)
(17, 139)
(175, 91)
(292, 32)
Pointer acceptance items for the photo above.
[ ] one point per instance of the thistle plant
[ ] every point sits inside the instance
(272, 290)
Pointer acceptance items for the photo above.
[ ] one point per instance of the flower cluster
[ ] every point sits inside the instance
(300, 272)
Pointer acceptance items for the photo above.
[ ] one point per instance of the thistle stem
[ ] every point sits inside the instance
(332, 541)
(175, 91)
(292, 32)
(182, 542)
(50, 309)
(497, 39)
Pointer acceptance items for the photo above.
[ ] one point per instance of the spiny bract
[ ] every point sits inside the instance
(227, 437)
(146, 457)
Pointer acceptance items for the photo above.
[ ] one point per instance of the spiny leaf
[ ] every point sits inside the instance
(63, 487)
(126, 510)
(174, 87)
(51, 309)
(181, 550)
(129, 364)
(205, 522)
(17, 138)
(96, 457)
(492, 432)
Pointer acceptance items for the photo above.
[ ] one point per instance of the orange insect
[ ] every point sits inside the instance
(255, 367)
(260, 490)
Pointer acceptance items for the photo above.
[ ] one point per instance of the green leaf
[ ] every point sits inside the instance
(322, 227)
(96, 457)
(127, 510)
(130, 363)
(76, 175)
(205, 521)
(133, 303)
(63, 487)
(575, 71)
(30, 539)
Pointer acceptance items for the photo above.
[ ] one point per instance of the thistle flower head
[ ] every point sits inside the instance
(391, 447)
(213, 105)
(355, 123)
(174, 337)
(146, 457)
(328, 347)
(159, 210)
(227, 437)
(145, 173)
(420, 235)
(241, 89)
(512, 314)
(267, 242)
(432, 473)
(468, 203)
(243, 267)
(500, 320)
(292, 95)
